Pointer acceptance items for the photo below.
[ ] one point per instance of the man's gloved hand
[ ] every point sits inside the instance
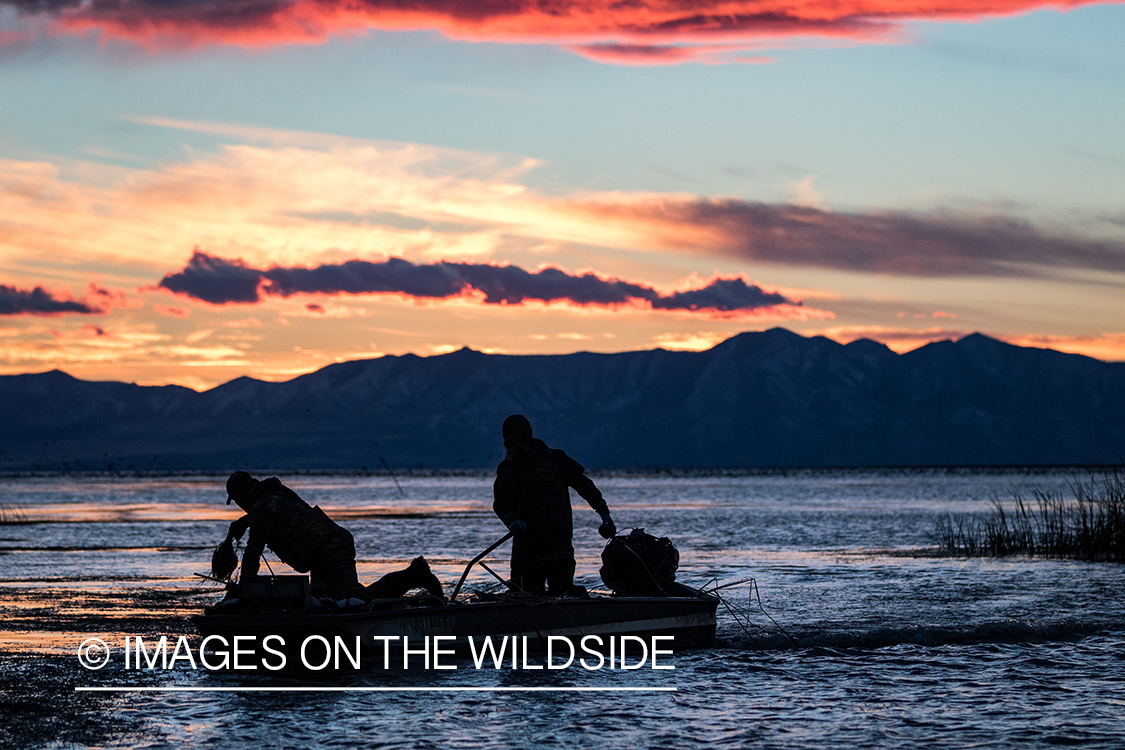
(517, 528)
(608, 529)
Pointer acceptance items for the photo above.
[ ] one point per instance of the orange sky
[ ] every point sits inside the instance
(295, 199)
(907, 172)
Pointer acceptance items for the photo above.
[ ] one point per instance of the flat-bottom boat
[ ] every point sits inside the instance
(689, 619)
(280, 606)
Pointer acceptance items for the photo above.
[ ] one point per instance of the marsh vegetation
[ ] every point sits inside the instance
(10, 514)
(1088, 523)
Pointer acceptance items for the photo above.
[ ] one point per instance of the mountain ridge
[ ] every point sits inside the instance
(758, 399)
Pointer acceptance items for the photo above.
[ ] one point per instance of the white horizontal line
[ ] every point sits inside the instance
(184, 689)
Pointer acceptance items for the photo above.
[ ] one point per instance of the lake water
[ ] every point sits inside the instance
(865, 637)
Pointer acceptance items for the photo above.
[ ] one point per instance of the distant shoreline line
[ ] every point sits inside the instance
(671, 471)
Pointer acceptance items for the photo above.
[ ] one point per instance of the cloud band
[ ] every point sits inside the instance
(891, 242)
(38, 301)
(643, 32)
(220, 281)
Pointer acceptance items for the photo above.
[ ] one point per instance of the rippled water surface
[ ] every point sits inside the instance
(866, 639)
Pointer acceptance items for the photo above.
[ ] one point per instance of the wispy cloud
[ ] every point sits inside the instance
(640, 32)
(644, 55)
(309, 199)
(888, 242)
(95, 345)
(1106, 346)
(695, 342)
(898, 339)
(281, 201)
(220, 281)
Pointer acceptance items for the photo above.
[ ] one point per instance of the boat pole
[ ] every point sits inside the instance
(476, 560)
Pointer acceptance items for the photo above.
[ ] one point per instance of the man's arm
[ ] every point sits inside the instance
(576, 477)
(261, 526)
(503, 501)
(238, 527)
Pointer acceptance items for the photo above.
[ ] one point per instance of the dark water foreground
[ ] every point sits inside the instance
(994, 695)
(874, 640)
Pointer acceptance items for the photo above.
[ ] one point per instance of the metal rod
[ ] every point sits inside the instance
(739, 621)
(384, 462)
(750, 601)
(497, 576)
(476, 560)
(732, 583)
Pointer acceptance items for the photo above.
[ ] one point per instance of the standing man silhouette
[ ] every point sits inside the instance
(532, 497)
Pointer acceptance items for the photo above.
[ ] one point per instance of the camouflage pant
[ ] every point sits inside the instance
(536, 562)
(333, 574)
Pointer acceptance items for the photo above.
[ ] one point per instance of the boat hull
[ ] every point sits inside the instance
(689, 621)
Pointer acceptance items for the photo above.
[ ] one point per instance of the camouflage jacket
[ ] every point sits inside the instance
(535, 488)
(297, 533)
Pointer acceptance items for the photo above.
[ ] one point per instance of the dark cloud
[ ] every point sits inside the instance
(361, 277)
(724, 295)
(39, 301)
(220, 281)
(898, 243)
(230, 14)
(39, 7)
(215, 280)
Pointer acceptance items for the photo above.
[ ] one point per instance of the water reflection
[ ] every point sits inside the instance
(895, 647)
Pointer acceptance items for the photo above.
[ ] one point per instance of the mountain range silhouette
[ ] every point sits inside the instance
(762, 399)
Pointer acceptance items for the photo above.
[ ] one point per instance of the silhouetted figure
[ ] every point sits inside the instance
(308, 541)
(532, 497)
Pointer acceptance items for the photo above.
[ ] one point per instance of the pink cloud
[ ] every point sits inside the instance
(171, 311)
(643, 55)
(107, 299)
(659, 31)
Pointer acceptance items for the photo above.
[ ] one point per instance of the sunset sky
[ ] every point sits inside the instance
(197, 190)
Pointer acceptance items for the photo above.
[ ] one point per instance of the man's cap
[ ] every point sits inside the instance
(516, 429)
(237, 484)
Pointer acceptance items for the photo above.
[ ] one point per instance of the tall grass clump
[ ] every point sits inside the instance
(10, 514)
(1046, 524)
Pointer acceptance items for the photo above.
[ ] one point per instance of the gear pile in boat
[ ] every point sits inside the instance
(639, 564)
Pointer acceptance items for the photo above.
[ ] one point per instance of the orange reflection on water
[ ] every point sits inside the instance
(95, 512)
(52, 642)
(56, 619)
(106, 513)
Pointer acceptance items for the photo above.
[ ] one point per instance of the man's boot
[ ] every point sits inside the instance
(416, 576)
(422, 577)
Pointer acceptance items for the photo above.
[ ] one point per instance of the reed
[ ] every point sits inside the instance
(10, 514)
(1091, 526)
